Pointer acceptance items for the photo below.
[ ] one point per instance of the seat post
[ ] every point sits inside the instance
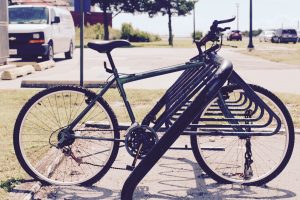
(112, 64)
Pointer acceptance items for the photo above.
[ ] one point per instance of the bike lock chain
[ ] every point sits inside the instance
(248, 172)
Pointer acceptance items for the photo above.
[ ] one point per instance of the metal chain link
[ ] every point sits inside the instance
(248, 172)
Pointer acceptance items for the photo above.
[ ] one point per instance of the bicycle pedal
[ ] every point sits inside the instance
(129, 167)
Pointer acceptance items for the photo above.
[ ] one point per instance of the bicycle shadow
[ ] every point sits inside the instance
(205, 188)
(75, 192)
(174, 180)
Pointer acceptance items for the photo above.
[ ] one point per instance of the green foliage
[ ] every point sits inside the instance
(96, 32)
(173, 7)
(9, 184)
(126, 31)
(170, 8)
(114, 34)
(135, 35)
(198, 35)
(118, 6)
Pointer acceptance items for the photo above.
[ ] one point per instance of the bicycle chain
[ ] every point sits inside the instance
(248, 172)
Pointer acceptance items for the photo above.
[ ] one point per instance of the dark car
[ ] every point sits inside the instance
(285, 36)
(234, 35)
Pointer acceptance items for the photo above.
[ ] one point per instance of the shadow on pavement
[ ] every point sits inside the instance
(74, 192)
(178, 178)
(206, 188)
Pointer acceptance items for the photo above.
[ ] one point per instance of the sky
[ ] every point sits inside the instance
(267, 14)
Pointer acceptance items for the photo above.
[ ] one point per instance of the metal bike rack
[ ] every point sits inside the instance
(205, 90)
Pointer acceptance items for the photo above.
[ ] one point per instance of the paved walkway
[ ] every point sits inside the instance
(178, 176)
(274, 76)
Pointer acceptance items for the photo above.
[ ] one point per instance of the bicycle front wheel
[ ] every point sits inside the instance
(39, 127)
(252, 160)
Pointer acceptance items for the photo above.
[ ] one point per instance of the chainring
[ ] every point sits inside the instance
(137, 136)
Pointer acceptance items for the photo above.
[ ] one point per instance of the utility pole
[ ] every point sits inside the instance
(237, 16)
(250, 45)
(298, 27)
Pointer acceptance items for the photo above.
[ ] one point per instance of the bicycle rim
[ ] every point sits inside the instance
(77, 163)
(223, 157)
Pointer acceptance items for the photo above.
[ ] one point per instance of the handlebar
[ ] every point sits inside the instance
(213, 34)
(224, 21)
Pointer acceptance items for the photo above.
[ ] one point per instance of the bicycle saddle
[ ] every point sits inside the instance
(107, 46)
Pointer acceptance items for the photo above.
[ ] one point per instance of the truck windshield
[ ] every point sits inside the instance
(28, 15)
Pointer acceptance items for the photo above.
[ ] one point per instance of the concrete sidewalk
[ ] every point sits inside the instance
(178, 176)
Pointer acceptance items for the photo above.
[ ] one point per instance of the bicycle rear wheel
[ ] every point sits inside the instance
(223, 158)
(38, 129)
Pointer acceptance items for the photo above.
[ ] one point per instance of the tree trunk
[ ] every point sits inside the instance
(106, 31)
(170, 28)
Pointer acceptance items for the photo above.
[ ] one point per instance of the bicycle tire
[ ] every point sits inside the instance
(80, 147)
(216, 173)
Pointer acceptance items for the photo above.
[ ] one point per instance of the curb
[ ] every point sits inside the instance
(17, 69)
(44, 65)
(48, 84)
(13, 73)
(22, 63)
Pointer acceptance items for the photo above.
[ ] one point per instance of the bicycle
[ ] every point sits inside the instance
(69, 135)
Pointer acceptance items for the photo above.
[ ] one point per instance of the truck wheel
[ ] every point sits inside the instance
(50, 53)
(69, 54)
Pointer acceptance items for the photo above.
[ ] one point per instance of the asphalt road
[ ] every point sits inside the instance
(274, 76)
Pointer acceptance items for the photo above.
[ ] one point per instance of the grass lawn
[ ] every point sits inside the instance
(283, 53)
(11, 102)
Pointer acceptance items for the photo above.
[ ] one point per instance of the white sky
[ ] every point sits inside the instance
(267, 14)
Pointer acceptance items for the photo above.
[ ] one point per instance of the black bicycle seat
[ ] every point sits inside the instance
(107, 46)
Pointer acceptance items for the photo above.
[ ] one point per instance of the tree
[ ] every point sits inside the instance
(118, 6)
(170, 8)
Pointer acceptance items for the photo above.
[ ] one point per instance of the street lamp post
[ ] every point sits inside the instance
(194, 22)
(250, 45)
(237, 16)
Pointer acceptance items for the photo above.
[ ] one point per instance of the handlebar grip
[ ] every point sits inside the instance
(225, 21)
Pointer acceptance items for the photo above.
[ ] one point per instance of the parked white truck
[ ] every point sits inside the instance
(40, 31)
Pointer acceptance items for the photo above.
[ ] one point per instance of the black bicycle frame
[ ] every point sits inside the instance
(121, 80)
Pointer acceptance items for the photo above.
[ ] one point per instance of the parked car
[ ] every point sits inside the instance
(40, 31)
(266, 36)
(234, 35)
(285, 36)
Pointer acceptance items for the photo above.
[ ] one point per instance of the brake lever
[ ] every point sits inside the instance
(223, 29)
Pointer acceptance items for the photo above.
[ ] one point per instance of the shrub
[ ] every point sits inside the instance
(126, 31)
(114, 34)
(96, 32)
(198, 35)
(135, 35)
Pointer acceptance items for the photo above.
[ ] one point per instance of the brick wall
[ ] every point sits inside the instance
(91, 18)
